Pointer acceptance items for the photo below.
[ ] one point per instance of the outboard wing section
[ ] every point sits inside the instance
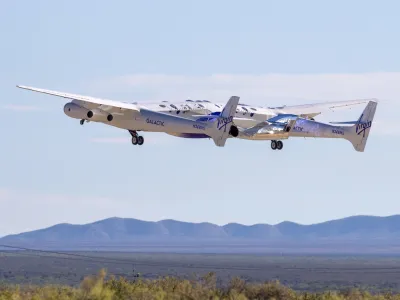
(107, 105)
(312, 110)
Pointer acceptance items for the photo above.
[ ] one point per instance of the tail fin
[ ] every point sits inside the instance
(360, 130)
(223, 125)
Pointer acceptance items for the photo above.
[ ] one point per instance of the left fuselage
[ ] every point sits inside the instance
(245, 116)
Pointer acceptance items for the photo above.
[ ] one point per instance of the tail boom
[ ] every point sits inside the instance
(357, 134)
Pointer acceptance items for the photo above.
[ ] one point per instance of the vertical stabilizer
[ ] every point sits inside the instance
(223, 125)
(359, 132)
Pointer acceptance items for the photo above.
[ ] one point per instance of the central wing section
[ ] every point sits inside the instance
(274, 128)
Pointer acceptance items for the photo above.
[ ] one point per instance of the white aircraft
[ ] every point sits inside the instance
(289, 125)
(169, 117)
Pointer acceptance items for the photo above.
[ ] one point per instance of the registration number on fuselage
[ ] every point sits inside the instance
(200, 127)
(337, 131)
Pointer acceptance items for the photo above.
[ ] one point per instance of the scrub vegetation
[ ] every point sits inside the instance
(206, 287)
(38, 275)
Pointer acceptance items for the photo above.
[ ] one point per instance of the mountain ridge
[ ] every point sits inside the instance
(129, 229)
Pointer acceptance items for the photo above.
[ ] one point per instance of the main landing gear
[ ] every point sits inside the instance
(276, 145)
(136, 139)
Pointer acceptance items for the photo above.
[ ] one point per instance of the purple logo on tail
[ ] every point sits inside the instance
(362, 126)
(222, 122)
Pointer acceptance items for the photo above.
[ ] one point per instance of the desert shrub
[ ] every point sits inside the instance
(101, 287)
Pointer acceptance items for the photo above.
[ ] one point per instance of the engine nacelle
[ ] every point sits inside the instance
(75, 111)
(234, 131)
(99, 115)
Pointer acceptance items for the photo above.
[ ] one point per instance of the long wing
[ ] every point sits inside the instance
(88, 102)
(312, 110)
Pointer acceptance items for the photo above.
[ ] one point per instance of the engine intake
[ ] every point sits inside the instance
(234, 131)
(99, 115)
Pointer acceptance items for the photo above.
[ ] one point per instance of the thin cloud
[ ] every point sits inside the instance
(22, 108)
(4, 194)
(110, 140)
(99, 207)
(258, 89)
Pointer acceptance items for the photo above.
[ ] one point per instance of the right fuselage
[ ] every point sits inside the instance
(308, 128)
(301, 128)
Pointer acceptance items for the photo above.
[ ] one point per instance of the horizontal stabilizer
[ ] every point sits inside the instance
(344, 123)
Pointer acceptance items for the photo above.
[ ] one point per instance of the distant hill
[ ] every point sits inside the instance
(357, 228)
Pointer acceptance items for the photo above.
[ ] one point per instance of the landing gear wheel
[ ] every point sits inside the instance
(140, 140)
(279, 145)
(134, 140)
(82, 121)
(273, 145)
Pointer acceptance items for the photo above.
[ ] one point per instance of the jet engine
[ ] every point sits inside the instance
(234, 131)
(99, 115)
(78, 112)
(75, 111)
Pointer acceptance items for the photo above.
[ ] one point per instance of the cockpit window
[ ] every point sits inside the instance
(162, 105)
(173, 106)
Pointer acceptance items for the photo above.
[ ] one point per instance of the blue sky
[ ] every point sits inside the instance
(267, 52)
